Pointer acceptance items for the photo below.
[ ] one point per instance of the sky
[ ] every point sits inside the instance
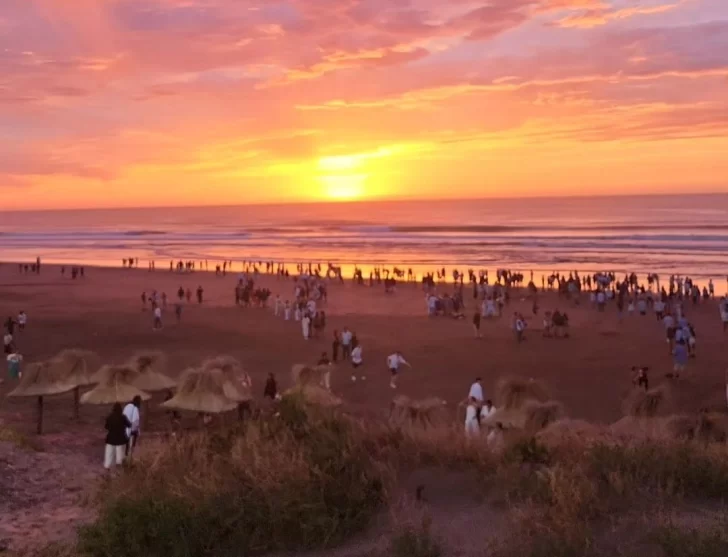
(126, 103)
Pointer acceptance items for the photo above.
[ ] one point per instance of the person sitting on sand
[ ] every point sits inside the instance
(116, 426)
(472, 427)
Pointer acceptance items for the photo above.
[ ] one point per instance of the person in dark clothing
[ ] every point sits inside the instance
(335, 347)
(116, 425)
(271, 387)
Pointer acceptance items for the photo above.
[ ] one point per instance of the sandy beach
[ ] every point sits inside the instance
(590, 372)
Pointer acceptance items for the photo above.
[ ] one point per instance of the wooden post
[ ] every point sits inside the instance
(76, 402)
(40, 415)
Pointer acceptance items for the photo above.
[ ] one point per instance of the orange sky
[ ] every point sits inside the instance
(109, 103)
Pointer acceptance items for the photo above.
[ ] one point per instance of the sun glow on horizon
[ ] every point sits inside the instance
(344, 187)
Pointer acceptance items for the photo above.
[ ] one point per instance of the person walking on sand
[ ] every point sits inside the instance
(188, 295)
(346, 337)
(178, 311)
(200, 292)
(476, 324)
(394, 360)
(476, 393)
(116, 425)
(356, 360)
(306, 326)
(131, 412)
(287, 311)
(22, 320)
(472, 426)
(157, 319)
(144, 301)
(271, 387)
(14, 362)
(519, 326)
(335, 345)
(181, 294)
(680, 358)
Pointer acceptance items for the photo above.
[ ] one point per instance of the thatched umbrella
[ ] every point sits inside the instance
(151, 367)
(44, 379)
(647, 404)
(513, 392)
(117, 385)
(237, 385)
(315, 395)
(303, 374)
(405, 411)
(80, 364)
(202, 391)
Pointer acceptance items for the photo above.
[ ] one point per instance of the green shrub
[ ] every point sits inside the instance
(301, 482)
(414, 541)
(676, 542)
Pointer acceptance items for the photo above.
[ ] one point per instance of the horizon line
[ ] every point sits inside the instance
(376, 200)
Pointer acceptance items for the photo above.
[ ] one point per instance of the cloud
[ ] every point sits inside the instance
(602, 14)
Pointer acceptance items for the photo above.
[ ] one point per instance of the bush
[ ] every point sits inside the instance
(301, 482)
(416, 542)
(676, 542)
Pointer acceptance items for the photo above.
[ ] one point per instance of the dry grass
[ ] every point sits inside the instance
(514, 392)
(641, 404)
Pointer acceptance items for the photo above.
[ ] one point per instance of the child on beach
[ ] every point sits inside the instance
(356, 360)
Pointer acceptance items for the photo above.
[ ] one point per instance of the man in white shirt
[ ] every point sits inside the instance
(476, 393)
(157, 318)
(131, 411)
(393, 362)
(346, 337)
(356, 360)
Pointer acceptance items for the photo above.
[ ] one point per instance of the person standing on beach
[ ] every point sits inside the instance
(335, 347)
(144, 301)
(356, 360)
(178, 311)
(680, 358)
(116, 425)
(157, 319)
(346, 337)
(394, 360)
(476, 393)
(476, 324)
(181, 294)
(287, 311)
(472, 425)
(131, 412)
(22, 320)
(306, 326)
(188, 295)
(200, 292)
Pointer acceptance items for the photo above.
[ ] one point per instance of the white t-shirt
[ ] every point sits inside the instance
(476, 392)
(520, 325)
(7, 339)
(668, 322)
(132, 414)
(485, 412)
(356, 355)
(346, 337)
(22, 318)
(157, 313)
(394, 361)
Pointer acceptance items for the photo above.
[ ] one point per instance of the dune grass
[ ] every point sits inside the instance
(310, 479)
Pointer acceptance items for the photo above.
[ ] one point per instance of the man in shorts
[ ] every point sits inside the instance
(394, 360)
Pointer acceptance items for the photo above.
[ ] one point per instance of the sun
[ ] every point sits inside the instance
(343, 187)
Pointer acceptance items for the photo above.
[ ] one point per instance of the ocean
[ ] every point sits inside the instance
(664, 234)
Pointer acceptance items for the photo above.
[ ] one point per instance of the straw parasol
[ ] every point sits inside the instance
(42, 379)
(315, 395)
(513, 392)
(641, 404)
(237, 384)
(150, 367)
(427, 412)
(116, 386)
(80, 364)
(203, 391)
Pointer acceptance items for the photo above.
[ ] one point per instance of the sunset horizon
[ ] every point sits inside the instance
(215, 102)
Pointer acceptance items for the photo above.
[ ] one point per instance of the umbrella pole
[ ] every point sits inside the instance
(40, 415)
(76, 402)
